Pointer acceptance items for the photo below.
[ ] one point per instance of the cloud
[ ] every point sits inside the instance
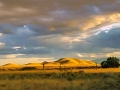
(79, 55)
(115, 54)
(54, 13)
(10, 56)
(2, 45)
(97, 9)
(16, 48)
(27, 51)
(53, 41)
(106, 40)
(59, 28)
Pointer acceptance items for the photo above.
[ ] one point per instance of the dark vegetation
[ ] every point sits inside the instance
(28, 68)
(43, 64)
(112, 62)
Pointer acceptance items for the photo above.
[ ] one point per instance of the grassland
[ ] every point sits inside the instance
(60, 80)
(31, 76)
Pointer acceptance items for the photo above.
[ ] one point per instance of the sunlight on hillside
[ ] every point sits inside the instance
(66, 62)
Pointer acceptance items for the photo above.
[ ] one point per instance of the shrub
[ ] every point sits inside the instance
(28, 68)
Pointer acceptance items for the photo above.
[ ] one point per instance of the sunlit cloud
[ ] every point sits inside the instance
(94, 21)
(39, 31)
(0, 34)
(79, 55)
(10, 56)
(46, 59)
(16, 48)
(23, 10)
(92, 55)
(2, 45)
(108, 27)
(51, 28)
(115, 54)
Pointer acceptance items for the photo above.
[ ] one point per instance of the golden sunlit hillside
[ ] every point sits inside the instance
(32, 64)
(64, 62)
(10, 66)
(75, 62)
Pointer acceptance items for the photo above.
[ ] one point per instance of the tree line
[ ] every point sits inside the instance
(111, 62)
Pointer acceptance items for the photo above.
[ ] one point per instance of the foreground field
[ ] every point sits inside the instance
(59, 80)
(61, 84)
(102, 70)
(99, 70)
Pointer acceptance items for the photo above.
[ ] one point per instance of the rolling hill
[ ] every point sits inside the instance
(67, 62)
(74, 62)
(10, 66)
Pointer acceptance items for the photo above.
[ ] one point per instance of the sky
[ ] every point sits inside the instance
(47, 30)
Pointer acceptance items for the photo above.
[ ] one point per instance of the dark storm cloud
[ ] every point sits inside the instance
(53, 13)
(21, 37)
(110, 39)
(41, 30)
(62, 26)
(7, 29)
(103, 42)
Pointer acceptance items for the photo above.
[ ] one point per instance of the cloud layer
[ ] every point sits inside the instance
(59, 28)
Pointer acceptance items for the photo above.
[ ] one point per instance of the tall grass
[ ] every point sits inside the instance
(59, 81)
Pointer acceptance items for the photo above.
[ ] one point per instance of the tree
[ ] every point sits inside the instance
(112, 62)
(96, 65)
(63, 62)
(43, 63)
(104, 64)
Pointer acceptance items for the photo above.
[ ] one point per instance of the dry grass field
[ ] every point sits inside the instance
(55, 84)
(101, 70)
(86, 79)
(12, 77)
